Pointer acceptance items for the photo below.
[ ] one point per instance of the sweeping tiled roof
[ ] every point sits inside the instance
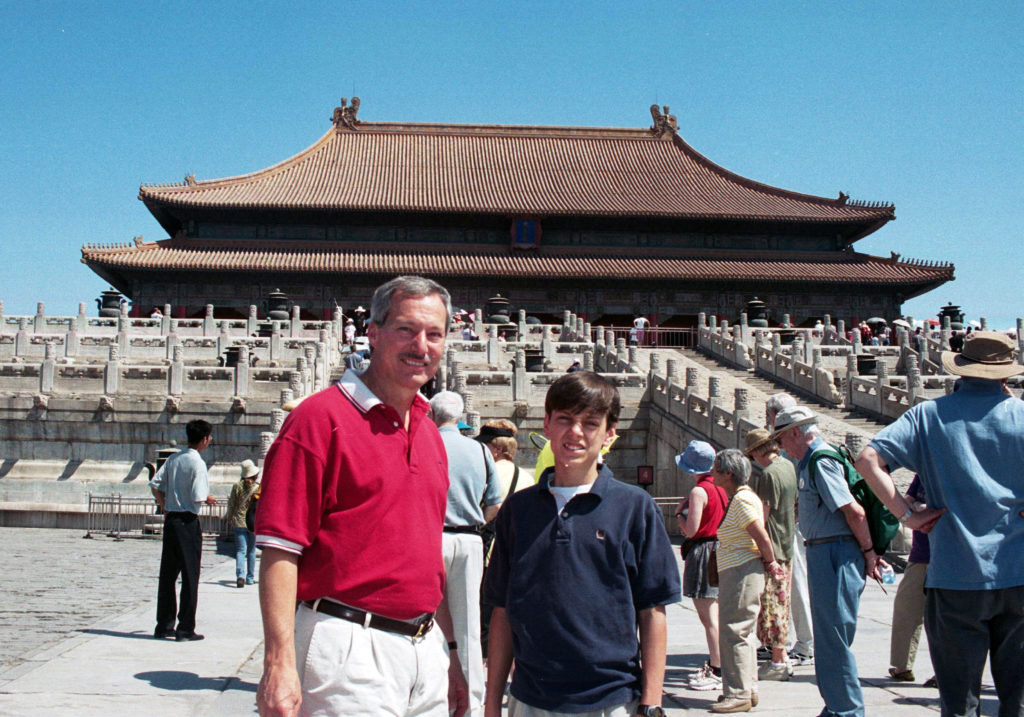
(554, 263)
(508, 170)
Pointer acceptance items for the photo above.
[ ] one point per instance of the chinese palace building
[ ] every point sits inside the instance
(609, 223)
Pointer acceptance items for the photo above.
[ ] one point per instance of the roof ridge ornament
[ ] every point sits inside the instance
(664, 123)
(345, 114)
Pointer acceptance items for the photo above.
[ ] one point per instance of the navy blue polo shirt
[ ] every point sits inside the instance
(571, 584)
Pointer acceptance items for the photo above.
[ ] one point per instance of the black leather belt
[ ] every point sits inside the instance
(833, 539)
(411, 628)
(474, 529)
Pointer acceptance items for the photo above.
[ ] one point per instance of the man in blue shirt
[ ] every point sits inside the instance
(839, 556)
(968, 449)
(181, 487)
(472, 483)
(580, 574)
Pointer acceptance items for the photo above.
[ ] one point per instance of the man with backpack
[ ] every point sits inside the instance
(840, 555)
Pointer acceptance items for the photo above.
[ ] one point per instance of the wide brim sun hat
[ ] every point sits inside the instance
(792, 418)
(985, 354)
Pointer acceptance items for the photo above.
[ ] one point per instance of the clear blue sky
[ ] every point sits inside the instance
(919, 104)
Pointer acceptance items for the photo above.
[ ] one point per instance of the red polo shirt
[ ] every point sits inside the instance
(360, 499)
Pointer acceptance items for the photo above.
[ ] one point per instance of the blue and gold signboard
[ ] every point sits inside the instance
(525, 233)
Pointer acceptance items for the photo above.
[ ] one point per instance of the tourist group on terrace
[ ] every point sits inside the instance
(408, 569)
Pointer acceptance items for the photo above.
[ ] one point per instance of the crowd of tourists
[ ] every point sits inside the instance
(408, 569)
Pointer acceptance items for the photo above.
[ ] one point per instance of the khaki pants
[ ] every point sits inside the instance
(907, 617)
(739, 599)
(520, 709)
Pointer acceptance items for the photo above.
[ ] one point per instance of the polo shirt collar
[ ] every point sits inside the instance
(600, 487)
(815, 445)
(352, 387)
(979, 385)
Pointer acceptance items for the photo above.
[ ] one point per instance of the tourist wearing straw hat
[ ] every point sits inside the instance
(776, 488)
(968, 449)
(240, 518)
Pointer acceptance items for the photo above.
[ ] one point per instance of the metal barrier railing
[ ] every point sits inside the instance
(114, 515)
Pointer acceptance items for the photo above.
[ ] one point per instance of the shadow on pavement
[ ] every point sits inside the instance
(190, 681)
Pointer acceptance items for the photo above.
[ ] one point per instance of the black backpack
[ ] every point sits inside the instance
(882, 524)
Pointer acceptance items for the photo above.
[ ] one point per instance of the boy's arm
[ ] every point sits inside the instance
(499, 661)
(653, 643)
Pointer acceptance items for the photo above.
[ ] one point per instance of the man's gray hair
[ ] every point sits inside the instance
(778, 402)
(810, 430)
(447, 407)
(732, 460)
(412, 286)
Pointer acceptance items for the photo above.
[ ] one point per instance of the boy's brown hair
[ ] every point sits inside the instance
(584, 392)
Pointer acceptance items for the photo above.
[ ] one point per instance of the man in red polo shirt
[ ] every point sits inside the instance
(350, 522)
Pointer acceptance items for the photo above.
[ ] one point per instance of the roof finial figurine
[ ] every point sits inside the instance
(664, 123)
(345, 114)
(843, 196)
(190, 180)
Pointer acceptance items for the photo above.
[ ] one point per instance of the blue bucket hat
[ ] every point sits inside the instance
(697, 459)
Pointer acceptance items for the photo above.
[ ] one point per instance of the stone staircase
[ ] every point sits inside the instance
(852, 418)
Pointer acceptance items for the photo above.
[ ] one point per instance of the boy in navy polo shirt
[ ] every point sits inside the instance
(581, 566)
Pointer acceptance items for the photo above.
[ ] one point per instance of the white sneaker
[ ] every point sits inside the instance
(706, 682)
(772, 671)
(699, 675)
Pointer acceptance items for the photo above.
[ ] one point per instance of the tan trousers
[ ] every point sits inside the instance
(907, 617)
(739, 600)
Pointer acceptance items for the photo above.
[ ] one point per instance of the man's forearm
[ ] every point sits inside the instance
(858, 523)
(499, 661)
(278, 586)
(279, 693)
(869, 464)
(653, 643)
(159, 496)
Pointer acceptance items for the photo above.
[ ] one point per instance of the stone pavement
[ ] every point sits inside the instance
(114, 667)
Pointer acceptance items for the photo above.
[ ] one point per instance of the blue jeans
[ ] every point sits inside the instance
(966, 626)
(245, 554)
(835, 576)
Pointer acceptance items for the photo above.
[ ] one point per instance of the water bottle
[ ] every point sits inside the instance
(888, 575)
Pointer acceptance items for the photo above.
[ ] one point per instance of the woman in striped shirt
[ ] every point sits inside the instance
(744, 554)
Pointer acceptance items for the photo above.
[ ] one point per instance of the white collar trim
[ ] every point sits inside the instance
(352, 386)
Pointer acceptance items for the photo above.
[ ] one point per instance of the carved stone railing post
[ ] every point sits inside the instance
(295, 328)
(858, 346)
(914, 384)
(520, 381)
(1020, 341)
(786, 322)
(521, 325)
(702, 320)
(852, 372)
(741, 409)
(587, 335)
(21, 339)
(81, 321)
(468, 400)
(275, 343)
(634, 359)
(713, 323)
(266, 441)
(566, 326)
(39, 320)
(984, 323)
(547, 348)
(277, 416)
(48, 368)
(251, 321)
(176, 377)
(72, 343)
(841, 330)
(209, 325)
(855, 442)
(588, 359)
(242, 371)
(287, 396)
(672, 371)
(112, 371)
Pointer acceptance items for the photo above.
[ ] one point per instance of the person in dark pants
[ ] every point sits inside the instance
(180, 487)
